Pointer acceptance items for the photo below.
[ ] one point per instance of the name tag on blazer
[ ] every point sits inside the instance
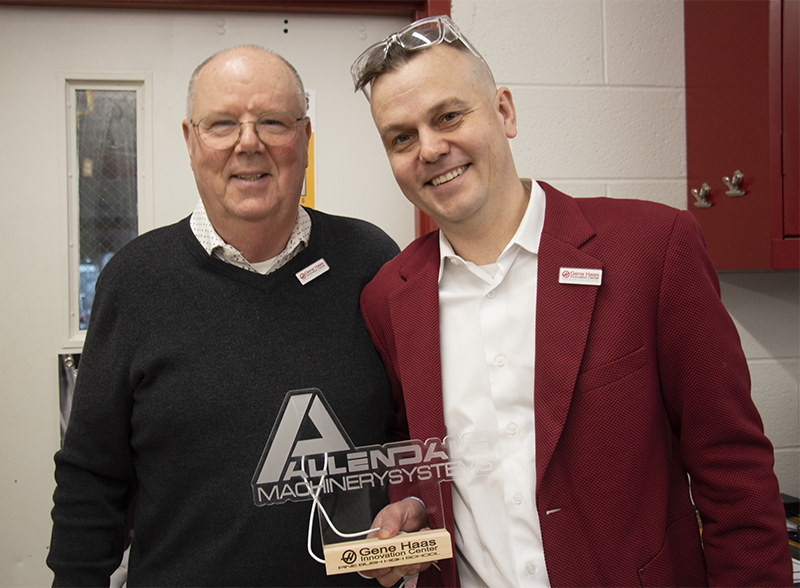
(580, 276)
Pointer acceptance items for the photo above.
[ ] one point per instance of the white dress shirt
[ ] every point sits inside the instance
(215, 245)
(487, 317)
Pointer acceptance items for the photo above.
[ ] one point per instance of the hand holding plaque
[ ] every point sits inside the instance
(407, 516)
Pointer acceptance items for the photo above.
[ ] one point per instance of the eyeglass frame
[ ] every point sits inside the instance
(239, 137)
(445, 26)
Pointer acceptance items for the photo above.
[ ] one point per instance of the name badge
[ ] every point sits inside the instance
(313, 271)
(580, 276)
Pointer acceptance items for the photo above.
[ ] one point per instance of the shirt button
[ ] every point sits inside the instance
(491, 294)
(531, 569)
(511, 429)
(500, 361)
(517, 499)
(229, 254)
(453, 261)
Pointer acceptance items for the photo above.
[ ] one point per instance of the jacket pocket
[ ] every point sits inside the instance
(680, 561)
(609, 373)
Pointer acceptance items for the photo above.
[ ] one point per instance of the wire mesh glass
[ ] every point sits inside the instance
(107, 189)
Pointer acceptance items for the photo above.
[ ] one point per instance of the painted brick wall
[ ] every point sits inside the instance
(600, 97)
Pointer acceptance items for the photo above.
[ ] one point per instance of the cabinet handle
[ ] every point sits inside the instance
(733, 184)
(701, 196)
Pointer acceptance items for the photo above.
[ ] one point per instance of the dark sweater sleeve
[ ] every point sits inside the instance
(94, 469)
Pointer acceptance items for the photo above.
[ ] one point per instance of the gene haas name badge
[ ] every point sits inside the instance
(580, 276)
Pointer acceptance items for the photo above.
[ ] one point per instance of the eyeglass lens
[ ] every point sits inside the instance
(422, 37)
(221, 132)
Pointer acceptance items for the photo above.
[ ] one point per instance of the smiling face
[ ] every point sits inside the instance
(250, 182)
(445, 128)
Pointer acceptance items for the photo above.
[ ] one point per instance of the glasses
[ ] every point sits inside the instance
(223, 132)
(421, 34)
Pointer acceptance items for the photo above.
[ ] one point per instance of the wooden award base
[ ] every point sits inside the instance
(368, 554)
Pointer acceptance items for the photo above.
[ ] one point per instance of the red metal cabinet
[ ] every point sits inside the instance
(791, 116)
(742, 88)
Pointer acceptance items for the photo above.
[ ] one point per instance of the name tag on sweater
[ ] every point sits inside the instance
(581, 276)
(313, 271)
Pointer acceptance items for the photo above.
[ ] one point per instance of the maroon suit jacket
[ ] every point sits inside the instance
(638, 382)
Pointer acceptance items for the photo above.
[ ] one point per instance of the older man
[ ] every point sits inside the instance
(198, 332)
(583, 338)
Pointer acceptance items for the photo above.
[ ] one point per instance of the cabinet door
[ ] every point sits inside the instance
(791, 117)
(734, 115)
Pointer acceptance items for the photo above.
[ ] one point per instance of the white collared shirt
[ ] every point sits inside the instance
(487, 326)
(216, 245)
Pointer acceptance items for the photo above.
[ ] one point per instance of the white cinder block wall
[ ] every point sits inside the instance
(600, 96)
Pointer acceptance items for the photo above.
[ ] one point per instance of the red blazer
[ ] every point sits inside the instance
(638, 382)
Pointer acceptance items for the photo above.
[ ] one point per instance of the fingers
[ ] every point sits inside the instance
(390, 576)
(385, 576)
(407, 515)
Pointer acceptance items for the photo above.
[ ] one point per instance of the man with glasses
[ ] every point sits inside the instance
(198, 331)
(583, 338)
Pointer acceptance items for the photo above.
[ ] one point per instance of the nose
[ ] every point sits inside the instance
(432, 145)
(249, 140)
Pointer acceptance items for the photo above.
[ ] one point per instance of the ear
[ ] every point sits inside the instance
(187, 132)
(187, 129)
(504, 103)
(307, 131)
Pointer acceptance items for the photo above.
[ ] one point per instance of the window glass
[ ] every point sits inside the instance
(107, 191)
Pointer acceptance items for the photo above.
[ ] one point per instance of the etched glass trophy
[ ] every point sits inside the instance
(310, 457)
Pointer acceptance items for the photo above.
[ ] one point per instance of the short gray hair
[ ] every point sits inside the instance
(302, 100)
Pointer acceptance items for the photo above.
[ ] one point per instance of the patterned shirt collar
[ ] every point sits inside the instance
(214, 244)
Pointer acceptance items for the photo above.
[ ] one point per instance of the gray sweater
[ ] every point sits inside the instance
(185, 367)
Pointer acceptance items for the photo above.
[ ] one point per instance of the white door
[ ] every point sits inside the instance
(46, 54)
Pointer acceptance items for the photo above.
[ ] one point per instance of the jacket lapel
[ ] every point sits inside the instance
(563, 317)
(414, 311)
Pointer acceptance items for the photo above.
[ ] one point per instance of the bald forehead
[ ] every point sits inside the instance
(242, 61)
(246, 67)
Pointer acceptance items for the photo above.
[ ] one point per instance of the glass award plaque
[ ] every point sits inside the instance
(347, 485)
(394, 471)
